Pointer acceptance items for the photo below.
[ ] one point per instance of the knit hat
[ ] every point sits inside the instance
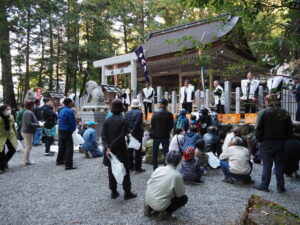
(189, 153)
(117, 106)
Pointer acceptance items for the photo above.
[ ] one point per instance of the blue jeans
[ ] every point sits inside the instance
(272, 151)
(225, 167)
(156, 143)
(95, 152)
(37, 136)
(199, 174)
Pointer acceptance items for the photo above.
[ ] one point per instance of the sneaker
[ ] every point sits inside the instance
(71, 168)
(29, 163)
(129, 195)
(147, 210)
(260, 188)
(48, 154)
(114, 195)
(281, 190)
(88, 154)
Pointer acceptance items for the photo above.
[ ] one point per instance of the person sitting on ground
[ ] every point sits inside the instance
(254, 149)
(291, 158)
(194, 123)
(201, 154)
(204, 121)
(182, 121)
(235, 162)
(236, 131)
(212, 141)
(165, 191)
(190, 138)
(90, 145)
(177, 140)
(191, 169)
(149, 151)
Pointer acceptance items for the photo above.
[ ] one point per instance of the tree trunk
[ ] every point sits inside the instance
(42, 55)
(142, 23)
(125, 38)
(51, 53)
(7, 81)
(58, 59)
(28, 31)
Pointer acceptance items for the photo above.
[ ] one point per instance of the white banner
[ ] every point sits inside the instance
(118, 71)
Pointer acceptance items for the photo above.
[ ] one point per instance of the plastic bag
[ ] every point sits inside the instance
(77, 139)
(117, 168)
(213, 160)
(134, 143)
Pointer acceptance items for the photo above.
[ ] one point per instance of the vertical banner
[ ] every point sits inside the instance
(39, 93)
(141, 57)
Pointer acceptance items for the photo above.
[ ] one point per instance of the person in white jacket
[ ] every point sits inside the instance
(235, 162)
(219, 97)
(187, 96)
(250, 93)
(148, 93)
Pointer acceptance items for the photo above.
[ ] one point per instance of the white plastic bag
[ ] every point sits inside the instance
(117, 168)
(213, 160)
(134, 143)
(77, 139)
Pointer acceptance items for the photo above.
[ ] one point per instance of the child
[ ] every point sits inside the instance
(191, 169)
(200, 153)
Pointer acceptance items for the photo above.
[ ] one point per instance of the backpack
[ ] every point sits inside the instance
(180, 123)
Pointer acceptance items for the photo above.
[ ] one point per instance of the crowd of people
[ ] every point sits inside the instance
(188, 147)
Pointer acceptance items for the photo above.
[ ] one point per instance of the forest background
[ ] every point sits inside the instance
(49, 43)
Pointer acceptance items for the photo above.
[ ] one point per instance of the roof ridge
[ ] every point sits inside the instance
(190, 24)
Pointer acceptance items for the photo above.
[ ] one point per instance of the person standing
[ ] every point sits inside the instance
(273, 127)
(134, 118)
(67, 125)
(90, 141)
(38, 115)
(125, 98)
(29, 125)
(7, 136)
(250, 93)
(219, 98)
(162, 124)
(50, 118)
(148, 93)
(114, 130)
(19, 121)
(296, 92)
(187, 96)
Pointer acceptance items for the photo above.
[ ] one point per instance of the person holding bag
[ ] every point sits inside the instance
(134, 119)
(114, 130)
(7, 136)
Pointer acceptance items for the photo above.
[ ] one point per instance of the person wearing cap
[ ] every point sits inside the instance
(162, 123)
(134, 118)
(273, 127)
(90, 145)
(67, 125)
(190, 168)
(114, 131)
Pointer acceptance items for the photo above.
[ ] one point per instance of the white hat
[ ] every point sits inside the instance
(135, 103)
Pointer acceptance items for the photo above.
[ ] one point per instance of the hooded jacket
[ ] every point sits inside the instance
(190, 140)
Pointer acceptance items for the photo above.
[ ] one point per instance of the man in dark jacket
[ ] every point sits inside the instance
(114, 130)
(162, 123)
(296, 91)
(134, 118)
(67, 125)
(49, 117)
(38, 114)
(212, 141)
(273, 128)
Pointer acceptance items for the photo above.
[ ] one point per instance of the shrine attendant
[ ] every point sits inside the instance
(187, 96)
(148, 93)
(219, 97)
(250, 93)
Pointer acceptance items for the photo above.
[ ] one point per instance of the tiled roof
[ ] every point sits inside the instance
(206, 31)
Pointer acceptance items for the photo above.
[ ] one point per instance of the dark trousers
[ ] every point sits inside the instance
(219, 108)
(250, 106)
(136, 160)
(156, 143)
(227, 174)
(148, 108)
(48, 142)
(298, 112)
(272, 151)
(113, 183)
(5, 157)
(65, 148)
(176, 203)
(188, 107)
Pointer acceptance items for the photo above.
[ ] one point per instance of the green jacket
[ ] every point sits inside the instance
(149, 151)
(273, 123)
(19, 117)
(8, 134)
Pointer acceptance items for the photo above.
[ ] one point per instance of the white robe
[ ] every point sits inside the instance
(253, 87)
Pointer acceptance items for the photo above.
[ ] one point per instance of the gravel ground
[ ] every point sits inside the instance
(47, 194)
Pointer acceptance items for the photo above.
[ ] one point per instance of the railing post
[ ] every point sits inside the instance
(260, 97)
(227, 91)
(159, 93)
(174, 99)
(198, 100)
(238, 100)
(206, 98)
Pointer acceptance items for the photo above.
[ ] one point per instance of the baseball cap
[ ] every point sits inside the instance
(91, 123)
